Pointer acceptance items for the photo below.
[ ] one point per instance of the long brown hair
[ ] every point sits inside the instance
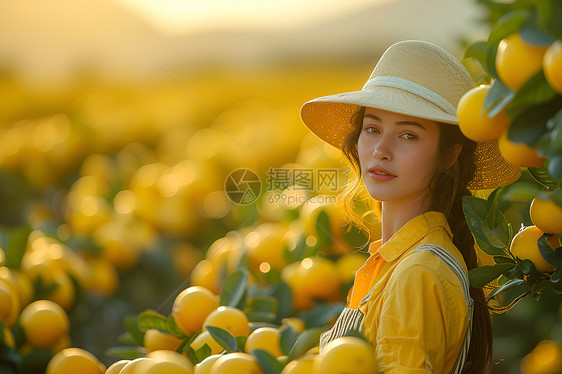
(447, 187)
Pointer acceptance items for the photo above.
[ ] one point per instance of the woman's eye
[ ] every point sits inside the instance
(371, 129)
(409, 136)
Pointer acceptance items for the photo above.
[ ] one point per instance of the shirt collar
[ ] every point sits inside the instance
(409, 234)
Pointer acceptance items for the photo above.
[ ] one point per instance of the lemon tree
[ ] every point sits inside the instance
(524, 80)
(521, 82)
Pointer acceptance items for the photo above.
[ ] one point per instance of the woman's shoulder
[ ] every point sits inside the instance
(437, 261)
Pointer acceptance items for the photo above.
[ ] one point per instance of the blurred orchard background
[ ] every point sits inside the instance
(120, 122)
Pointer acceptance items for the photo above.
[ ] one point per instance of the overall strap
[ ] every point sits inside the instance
(457, 268)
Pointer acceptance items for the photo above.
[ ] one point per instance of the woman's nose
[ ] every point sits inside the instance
(382, 151)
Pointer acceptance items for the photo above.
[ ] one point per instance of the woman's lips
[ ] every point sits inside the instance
(380, 174)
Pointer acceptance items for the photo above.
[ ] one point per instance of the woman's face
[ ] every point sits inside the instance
(397, 155)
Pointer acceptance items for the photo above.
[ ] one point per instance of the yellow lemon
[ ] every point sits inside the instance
(552, 66)
(230, 319)
(346, 355)
(168, 362)
(267, 244)
(192, 306)
(116, 367)
(320, 276)
(21, 283)
(517, 61)
(303, 365)
(474, 123)
(206, 274)
(206, 338)
(293, 275)
(204, 367)
(297, 324)
(9, 303)
(75, 360)
(136, 366)
(266, 338)
(519, 153)
(237, 362)
(44, 323)
(524, 245)
(546, 215)
(155, 340)
(103, 277)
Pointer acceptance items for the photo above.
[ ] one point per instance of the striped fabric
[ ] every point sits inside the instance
(348, 319)
(353, 318)
(454, 264)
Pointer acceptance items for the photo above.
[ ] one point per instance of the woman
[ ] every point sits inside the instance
(412, 299)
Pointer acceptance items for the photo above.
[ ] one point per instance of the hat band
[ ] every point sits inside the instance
(412, 87)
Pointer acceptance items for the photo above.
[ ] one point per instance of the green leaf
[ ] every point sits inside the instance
(528, 122)
(241, 341)
(535, 91)
(202, 353)
(481, 276)
(555, 168)
(173, 328)
(233, 289)
(541, 285)
(480, 51)
(16, 243)
(491, 200)
(150, 319)
(132, 327)
(506, 286)
(550, 17)
(190, 353)
(495, 227)
(35, 361)
(258, 316)
(497, 98)
(282, 292)
(503, 260)
(531, 33)
(127, 338)
(555, 126)
(308, 339)
(224, 338)
(553, 257)
(508, 24)
(287, 339)
(527, 267)
(125, 353)
(542, 176)
(267, 361)
(322, 314)
(475, 213)
(10, 358)
(263, 303)
(323, 230)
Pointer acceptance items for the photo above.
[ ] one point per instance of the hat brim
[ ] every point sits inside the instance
(329, 118)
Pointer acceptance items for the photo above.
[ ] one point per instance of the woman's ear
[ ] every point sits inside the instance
(454, 155)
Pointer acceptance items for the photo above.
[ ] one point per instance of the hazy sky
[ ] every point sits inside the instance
(179, 16)
(51, 40)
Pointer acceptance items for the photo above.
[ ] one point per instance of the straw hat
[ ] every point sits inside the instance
(418, 79)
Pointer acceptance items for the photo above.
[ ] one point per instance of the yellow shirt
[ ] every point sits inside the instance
(416, 316)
